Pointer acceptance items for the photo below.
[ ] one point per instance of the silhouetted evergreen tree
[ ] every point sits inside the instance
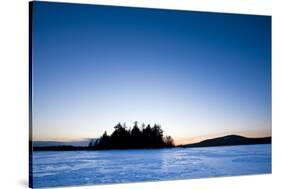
(123, 138)
(169, 141)
(103, 142)
(136, 136)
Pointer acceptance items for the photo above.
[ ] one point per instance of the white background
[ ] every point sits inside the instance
(14, 91)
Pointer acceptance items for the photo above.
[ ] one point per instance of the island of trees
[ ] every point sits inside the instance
(136, 138)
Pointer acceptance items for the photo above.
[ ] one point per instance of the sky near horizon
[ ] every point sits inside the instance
(196, 74)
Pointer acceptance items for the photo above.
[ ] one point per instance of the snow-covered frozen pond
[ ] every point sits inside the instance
(121, 166)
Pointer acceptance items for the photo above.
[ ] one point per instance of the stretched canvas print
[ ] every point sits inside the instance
(123, 95)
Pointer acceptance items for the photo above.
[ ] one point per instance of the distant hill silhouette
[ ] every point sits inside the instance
(229, 140)
(60, 148)
(82, 142)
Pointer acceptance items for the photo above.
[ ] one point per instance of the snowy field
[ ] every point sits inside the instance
(120, 166)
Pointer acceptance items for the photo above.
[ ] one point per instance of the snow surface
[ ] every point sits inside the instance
(120, 166)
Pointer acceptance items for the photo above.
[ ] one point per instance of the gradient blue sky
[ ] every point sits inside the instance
(196, 74)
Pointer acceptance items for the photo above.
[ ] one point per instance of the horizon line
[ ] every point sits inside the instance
(191, 139)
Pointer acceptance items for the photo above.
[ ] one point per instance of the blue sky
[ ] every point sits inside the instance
(196, 74)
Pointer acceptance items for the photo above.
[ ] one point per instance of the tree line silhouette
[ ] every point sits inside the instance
(127, 138)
